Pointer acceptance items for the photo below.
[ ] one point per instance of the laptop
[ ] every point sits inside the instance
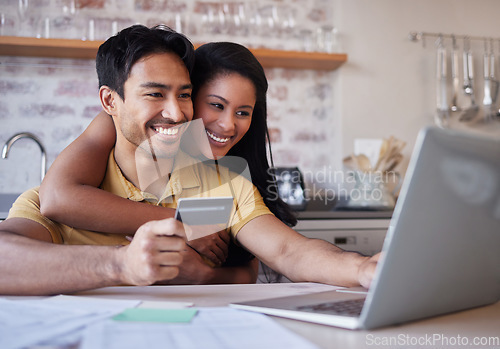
(442, 249)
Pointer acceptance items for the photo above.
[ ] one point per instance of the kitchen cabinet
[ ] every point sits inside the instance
(67, 48)
(362, 232)
(363, 235)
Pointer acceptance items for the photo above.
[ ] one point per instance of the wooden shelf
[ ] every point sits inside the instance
(56, 48)
(65, 48)
(299, 60)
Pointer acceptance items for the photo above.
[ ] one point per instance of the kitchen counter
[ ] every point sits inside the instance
(337, 209)
(344, 214)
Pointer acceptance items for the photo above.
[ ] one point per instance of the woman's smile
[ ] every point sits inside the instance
(216, 138)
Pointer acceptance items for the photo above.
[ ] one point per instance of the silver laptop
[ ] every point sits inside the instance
(442, 250)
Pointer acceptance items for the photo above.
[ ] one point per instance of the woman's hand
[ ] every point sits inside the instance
(214, 247)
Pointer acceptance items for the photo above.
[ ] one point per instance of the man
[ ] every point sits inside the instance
(145, 86)
(31, 263)
(149, 107)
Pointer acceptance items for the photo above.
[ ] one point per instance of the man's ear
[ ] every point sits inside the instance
(108, 97)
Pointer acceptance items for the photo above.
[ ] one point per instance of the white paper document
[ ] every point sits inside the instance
(216, 328)
(56, 321)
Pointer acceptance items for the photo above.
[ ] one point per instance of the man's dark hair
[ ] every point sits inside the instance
(119, 53)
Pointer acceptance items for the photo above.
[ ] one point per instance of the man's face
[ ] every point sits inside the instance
(156, 105)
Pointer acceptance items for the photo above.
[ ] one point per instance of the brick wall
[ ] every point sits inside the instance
(56, 98)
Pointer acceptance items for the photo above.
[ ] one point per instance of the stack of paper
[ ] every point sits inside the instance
(216, 328)
(92, 323)
(55, 321)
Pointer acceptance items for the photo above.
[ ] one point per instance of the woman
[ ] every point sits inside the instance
(228, 67)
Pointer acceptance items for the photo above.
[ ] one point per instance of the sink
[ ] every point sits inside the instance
(6, 201)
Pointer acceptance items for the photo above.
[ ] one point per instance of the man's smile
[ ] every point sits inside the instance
(171, 131)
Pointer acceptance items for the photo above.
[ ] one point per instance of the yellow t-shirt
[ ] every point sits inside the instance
(190, 178)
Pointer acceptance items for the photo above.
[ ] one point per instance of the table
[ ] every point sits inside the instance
(481, 323)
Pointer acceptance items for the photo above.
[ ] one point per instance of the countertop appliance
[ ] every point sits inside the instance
(291, 188)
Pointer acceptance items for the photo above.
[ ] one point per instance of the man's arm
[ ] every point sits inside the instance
(303, 259)
(31, 265)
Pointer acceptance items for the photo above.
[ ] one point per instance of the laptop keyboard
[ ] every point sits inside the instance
(346, 308)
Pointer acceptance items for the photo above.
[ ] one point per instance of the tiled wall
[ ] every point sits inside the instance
(56, 98)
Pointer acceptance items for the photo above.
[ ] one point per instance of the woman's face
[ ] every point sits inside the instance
(225, 105)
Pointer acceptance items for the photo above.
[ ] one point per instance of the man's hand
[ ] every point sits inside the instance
(367, 270)
(214, 247)
(154, 254)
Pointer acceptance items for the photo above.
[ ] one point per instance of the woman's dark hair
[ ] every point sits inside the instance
(119, 53)
(223, 58)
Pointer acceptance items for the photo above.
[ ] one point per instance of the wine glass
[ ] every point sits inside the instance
(286, 20)
(22, 11)
(7, 24)
(213, 18)
(65, 22)
(69, 8)
(236, 18)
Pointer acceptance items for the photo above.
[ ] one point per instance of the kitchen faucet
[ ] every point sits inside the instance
(14, 138)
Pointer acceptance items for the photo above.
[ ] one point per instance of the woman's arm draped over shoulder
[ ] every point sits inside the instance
(69, 193)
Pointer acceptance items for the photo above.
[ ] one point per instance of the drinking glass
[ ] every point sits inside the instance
(214, 19)
(7, 24)
(234, 18)
(326, 38)
(287, 21)
(65, 22)
(266, 21)
(43, 27)
(307, 38)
